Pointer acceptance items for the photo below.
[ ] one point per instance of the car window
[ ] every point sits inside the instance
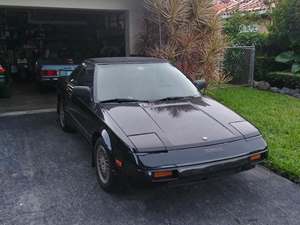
(150, 81)
(86, 77)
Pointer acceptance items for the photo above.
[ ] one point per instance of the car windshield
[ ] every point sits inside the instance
(142, 82)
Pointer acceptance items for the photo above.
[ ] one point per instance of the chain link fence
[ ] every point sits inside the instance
(239, 63)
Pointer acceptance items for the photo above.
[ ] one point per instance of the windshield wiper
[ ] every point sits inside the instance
(121, 100)
(174, 98)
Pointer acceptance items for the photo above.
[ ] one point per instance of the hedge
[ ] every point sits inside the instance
(265, 65)
(283, 79)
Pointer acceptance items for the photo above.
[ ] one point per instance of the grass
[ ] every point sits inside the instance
(278, 118)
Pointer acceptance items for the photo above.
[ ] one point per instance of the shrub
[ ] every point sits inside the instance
(236, 64)
(250, 38)
(265, 64)
(282, 79)
(234, 27)
(191, 36)
(290, 58)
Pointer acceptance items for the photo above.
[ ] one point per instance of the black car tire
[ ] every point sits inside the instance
(105, 169)
(63, 119)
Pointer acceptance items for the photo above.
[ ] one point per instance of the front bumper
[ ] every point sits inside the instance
(51, 81)
(208, 170)
(44, 79)
(48, 81)
(202, 163)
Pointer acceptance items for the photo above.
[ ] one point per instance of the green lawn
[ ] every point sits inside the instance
(278, 118)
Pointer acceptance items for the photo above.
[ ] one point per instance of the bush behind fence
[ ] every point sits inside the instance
(239, 63)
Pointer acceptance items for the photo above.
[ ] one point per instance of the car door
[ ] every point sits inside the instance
(71, 83)
(84, 109)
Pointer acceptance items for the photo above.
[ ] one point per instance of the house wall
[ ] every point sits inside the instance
(134, 7)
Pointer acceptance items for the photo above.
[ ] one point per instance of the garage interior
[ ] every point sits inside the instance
(30, 34)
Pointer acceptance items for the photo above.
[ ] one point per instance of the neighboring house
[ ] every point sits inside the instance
(226, 8)
(132, 10)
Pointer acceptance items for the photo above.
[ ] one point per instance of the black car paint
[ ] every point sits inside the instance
(146, 136)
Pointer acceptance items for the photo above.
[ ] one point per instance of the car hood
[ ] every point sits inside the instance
(179, 124)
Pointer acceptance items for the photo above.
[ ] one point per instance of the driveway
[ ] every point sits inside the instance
(46, 178)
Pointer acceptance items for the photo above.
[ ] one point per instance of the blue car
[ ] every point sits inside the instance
(49, 71)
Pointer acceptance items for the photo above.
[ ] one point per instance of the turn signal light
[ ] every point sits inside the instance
(119, 163)
(256, 157)
(162, 174)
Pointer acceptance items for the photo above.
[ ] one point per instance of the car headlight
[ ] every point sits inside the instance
(147, 143)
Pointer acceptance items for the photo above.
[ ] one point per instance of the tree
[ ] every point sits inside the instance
(186, 32)
(294, 23)
(234, 28)
(285, 29)
(285, 33)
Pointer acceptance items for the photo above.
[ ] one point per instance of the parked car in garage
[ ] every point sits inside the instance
(5, 81)
(49, 70)
(147, 122)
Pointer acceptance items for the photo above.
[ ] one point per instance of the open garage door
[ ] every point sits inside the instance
(30, 37)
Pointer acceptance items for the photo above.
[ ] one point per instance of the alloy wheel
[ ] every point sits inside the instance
(103, 165)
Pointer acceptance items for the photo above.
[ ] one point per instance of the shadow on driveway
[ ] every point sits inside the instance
(46, 178)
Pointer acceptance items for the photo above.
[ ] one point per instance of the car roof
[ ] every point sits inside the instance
(125, 60)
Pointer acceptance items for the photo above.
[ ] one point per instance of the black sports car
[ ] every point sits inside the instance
(147, 122)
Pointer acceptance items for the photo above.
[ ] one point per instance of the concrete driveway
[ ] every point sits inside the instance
(26, 97)
(46, 178)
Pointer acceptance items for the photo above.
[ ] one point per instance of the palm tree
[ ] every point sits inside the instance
(188, 33)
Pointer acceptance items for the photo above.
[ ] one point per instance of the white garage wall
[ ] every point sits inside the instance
(133, 6)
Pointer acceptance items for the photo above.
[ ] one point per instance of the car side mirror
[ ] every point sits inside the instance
(83, 92)
(200, 84)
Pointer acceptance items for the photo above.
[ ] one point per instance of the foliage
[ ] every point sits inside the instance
(234, 24)
(294, 23)
(236, 62)
(290, 58)
(277, 116)
(266, 64)
(279, 14)
(283, 43)
(283, 79)
(191, 36)
(234, 27)
(285, 29)
(250, 38)
(285, 57)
